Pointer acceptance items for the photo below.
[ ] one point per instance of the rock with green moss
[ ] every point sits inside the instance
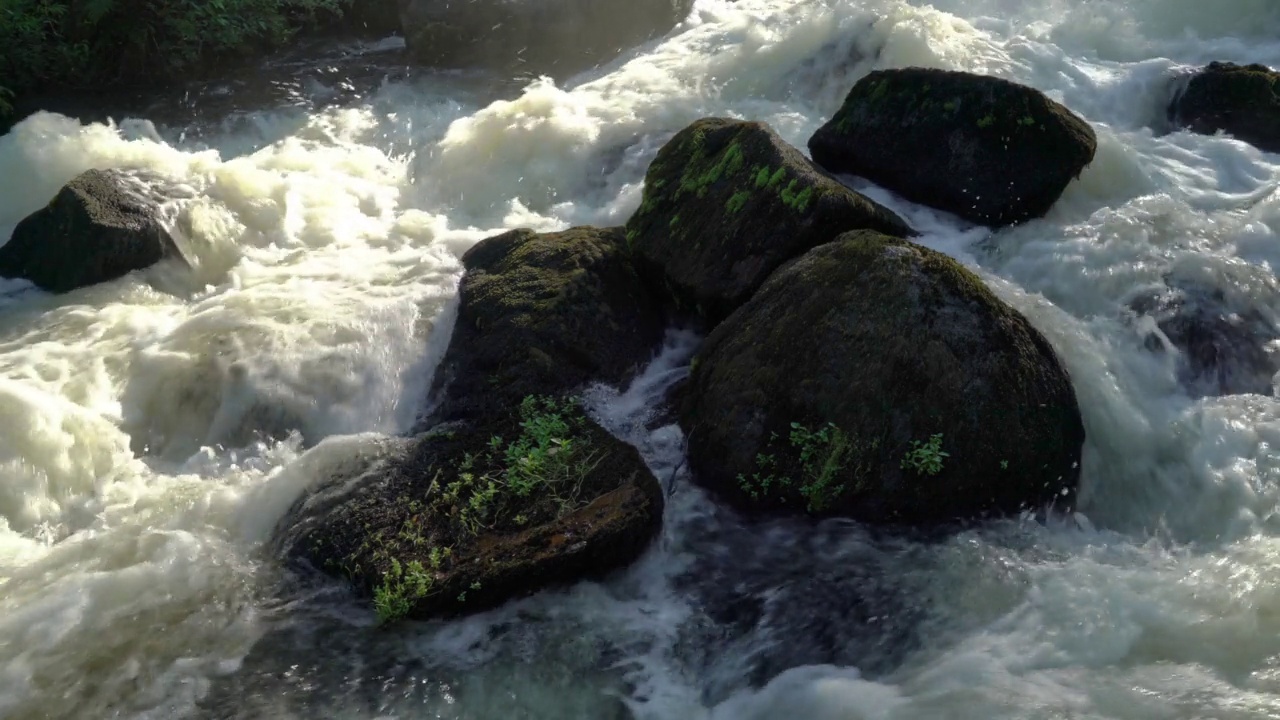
(471, 515)
(989, 150)
(726, 203)
(879, 380)
(1240, 100)
(544, 313)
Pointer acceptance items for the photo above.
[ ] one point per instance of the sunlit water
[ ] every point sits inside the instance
(154, 430)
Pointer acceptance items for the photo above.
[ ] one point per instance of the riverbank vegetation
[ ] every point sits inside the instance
(74, 44)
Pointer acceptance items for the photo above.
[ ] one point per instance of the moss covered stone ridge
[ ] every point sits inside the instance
(879, 380)
(471, 515)
(989, 150)
(1241, 100)
(727, 202)
(99, 227)
(543, 314)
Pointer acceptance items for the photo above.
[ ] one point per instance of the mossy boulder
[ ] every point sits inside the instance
(989, 150)
(544, 314)
(727, 202)
(879, 380)
(469, 516)
(101, 226)
(1241, 100)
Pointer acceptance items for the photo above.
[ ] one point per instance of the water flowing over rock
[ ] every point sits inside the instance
(726, 203)
(989, 150)
(101, 226)
(1240, 100)
(544, 313)
(876, 379)
(469, 516)
(1223, 349)
(540, 35)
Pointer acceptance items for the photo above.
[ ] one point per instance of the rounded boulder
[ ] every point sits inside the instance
(878, 380)
(991, 151)
(101, 226)
(726, 202)
(1241, 100)
(544, 313)
(471, 515)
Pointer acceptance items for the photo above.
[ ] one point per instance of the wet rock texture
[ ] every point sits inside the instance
(101, 226)
(989, 150)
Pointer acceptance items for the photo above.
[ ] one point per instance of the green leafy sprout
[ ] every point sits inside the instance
(925, 458)
(536, 477)
(822, 455)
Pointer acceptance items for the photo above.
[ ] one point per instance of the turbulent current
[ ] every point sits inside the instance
(154, 430)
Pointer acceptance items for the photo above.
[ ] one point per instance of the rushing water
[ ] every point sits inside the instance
(155, 429)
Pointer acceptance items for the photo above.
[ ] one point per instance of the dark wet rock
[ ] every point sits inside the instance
(544, 314)
(467, 517)
(1223, 349)
(1240, 100)
(989, 150)
(779, 595)
(830, 391)
(726, 203)
(549, 35)
(101, 226)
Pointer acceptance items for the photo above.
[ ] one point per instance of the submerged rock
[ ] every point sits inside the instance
(544, 314)
(465, 518)
(879, 380)
(989, 150)
(726, 203)
(538, 35)
(1241, 100)
(1223, 350)
(99, 227)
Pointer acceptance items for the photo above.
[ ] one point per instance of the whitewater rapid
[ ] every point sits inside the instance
(154, 430)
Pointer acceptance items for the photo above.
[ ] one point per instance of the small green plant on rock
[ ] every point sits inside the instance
(401, 586)
(548, 457)
(925, 458)
(738, 201)
(503, 486)
(823, 453)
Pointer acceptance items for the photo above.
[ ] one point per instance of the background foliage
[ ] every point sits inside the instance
(88, 43)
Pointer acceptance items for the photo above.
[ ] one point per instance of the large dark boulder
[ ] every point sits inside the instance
(837, 389)
(1223, 347)
(726, 203)
(543, 314)
(989, 150)
(100, 226)
(561, 36)
(1241, 100)
(469, 516)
